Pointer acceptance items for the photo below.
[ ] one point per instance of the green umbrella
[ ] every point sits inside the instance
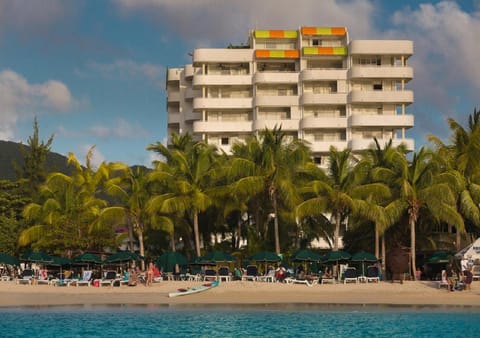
(120, 257)
(266, 256)
(8, 259)
(336, 256)
(363, 257)
(440, 257)
(168, 260)
(306, 255)
(37, 257)
(87, 258)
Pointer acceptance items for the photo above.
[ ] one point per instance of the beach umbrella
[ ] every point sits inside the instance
(37, 257)
(363, 257)
(266, 256)
(440, 257)
(306, 255)
(87, 258)
(8, 259)
(337, 257)
(168, 260)
(59, 261)
(122, 257)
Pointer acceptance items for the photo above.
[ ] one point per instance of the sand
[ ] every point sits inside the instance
(242, 292)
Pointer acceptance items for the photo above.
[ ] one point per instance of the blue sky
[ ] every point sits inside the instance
(93, 71)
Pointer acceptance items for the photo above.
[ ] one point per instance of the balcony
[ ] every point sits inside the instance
(200, 103)
(323, 74)
(173, 96)
(189, 71)
(395, 121)
(323, 123)
(276, 101)
(192, 116)
(358, 72)
(358, 144)
(381, 47)
(392, 96)
(221, 80)
(173, 74)
(224, 126)
(208, 55)
(318, 99)
(324, 146)
(191, 93)
(276, 77)
(173, 117)
(287, 125)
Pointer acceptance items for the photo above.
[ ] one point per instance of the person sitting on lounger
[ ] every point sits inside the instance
(280, 273)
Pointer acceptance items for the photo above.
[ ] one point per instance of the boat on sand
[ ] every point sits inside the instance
(196, 289)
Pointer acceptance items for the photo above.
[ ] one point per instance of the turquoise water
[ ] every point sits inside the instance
(239, 321)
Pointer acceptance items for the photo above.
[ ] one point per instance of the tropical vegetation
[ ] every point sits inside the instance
(268, 194)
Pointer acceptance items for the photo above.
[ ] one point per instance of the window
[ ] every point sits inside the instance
(224, 141)
(377, 86)
(316, 42)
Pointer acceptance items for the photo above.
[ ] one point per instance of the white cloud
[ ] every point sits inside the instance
(20, 99)
(32, 17)
(121, 128)
(128, 69)
(211, 21)
(447, 74)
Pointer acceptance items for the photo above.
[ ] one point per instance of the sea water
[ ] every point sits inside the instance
(240, 321)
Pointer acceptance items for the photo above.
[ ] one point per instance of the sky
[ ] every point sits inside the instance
(93, 71)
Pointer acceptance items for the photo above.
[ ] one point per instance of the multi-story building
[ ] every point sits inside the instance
(313, 82)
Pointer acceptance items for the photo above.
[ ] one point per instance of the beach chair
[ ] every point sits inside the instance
(476, 272)
(110, 277)
(26, 277)
(350, 275)
(307, 282)
(224, 274)
(210, 275)
(443, 282)
(85, 281)
(43, 278)
(372, 274)
(252, 273)
(269, 277)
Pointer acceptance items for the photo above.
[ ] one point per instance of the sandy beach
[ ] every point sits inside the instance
(422, 293)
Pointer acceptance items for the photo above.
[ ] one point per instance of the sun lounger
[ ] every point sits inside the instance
(476, 272)
(110, 277)
(372, 274)
(210, 275)
(269, 277)
(444, 282)
(307, 282)
(85, 281)
(350, 275)
(224, 274)
(26, 277)
(252, 273)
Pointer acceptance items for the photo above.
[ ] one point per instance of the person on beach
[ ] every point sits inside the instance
(149, 274)
(280, 273)
(450, 277)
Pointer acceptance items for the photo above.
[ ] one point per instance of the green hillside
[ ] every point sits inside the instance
(11, 152)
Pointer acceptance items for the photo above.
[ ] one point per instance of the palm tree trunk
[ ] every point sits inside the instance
(172, 240)
(377, 240)
(196, 233)
(130, 236)
(458, 241)
(140, 244)
(337, 231)
(384, 258)
(275, 222)
(412, 248)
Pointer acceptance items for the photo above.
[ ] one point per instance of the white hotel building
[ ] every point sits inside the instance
(314, 82)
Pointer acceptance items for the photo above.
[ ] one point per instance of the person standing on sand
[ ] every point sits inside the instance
(450, 277)
(149, 274)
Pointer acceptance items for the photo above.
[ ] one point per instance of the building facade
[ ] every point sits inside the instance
(313, 82)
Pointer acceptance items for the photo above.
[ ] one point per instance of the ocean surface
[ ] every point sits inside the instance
(240, 321)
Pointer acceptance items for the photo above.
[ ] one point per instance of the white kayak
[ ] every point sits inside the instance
(196, 289)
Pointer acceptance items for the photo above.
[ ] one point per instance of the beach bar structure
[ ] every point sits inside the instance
(313, 82)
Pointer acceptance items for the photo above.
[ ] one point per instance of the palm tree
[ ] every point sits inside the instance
(339, 192)
(268, 166)
(462, 156)
(70, 206)
(419, 187)
(188, 172)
